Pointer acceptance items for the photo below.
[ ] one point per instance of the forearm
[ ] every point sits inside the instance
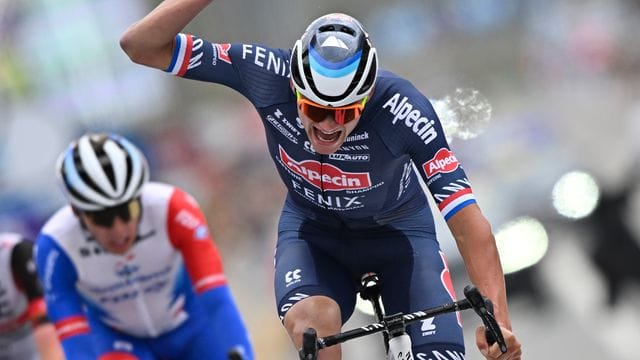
(47, 342)
(485, 271)
(477, 246)
(149, 41)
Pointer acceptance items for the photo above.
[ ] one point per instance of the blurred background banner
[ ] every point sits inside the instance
(555, 166)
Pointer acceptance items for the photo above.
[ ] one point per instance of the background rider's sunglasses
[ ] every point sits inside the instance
(105, 218)
(317, 113)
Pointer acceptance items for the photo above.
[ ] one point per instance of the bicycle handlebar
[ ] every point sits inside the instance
(484, 308)
(311, 343)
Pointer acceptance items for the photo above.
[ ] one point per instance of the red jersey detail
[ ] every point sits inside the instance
(188, 232)
(187, 55)
(442, 162)
(445, 278)
(16, 323)
(453, 197)
(37, 308)
(117, 355)
(325, 176)
(223, 52)
(72, 326)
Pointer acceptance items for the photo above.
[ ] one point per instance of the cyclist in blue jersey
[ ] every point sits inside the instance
(129, 268)
(345, 136)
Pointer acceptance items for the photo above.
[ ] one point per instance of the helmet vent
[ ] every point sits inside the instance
(334, 64)
(332, 27)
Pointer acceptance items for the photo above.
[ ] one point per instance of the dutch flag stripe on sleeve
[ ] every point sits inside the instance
(181, 55)
(455, 202)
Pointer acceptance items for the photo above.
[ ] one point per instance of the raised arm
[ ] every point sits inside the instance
(150, 41)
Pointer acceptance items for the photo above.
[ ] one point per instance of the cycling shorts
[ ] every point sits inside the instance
(190, 341)
(324, 255)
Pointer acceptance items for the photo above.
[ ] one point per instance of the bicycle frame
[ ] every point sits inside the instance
(395, 325)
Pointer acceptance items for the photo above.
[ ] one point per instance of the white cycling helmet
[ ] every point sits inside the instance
(334, 64)
(99, 171)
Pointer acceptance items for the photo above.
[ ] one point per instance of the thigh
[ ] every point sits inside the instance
(303, 269)
(420, 279)
(203, 345)
(194, 339)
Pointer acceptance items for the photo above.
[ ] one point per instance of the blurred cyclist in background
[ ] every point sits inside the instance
(344, 137)
(129, 268)
(25, 330)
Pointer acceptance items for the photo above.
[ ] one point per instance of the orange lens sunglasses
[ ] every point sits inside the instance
(317, 113)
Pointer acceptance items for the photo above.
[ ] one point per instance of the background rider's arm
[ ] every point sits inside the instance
(150, 41)
(26, 279)
(47, 342)
(477, 246)
(189, 233)
(64, 305)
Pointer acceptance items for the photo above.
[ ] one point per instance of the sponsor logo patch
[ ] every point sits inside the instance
(444, 161)
(222, 52)
(325, 176)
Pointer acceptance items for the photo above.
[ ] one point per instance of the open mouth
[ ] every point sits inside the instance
(120, 245)
(327, 137)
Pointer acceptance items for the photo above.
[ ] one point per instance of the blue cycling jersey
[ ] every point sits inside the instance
(359, 209)
(370, 178)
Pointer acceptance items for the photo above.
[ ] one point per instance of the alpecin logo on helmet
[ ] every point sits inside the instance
(444, 161)
(325, 176)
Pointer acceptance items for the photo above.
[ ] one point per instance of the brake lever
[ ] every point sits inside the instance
(309, 349)
(484, 308)
(493, 332)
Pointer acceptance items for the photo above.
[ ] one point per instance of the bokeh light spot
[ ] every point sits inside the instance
(521, 243)
(575, 195)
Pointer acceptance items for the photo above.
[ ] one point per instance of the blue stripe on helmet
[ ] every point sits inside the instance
(73, 177)
(331, 69)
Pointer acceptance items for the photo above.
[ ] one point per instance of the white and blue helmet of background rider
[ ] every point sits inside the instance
(333, 63)
(98, 171)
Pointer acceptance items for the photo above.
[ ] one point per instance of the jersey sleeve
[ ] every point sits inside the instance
(26, 278)
(430, 152)
(64, 305)
(189, 233)
(257, 72)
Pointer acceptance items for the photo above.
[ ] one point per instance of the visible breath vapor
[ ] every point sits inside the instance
(464, 114)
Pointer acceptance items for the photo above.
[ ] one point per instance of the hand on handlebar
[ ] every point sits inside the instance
(492, 352)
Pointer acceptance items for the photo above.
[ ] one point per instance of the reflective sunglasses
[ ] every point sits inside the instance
(126, 212)
(317, 113)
